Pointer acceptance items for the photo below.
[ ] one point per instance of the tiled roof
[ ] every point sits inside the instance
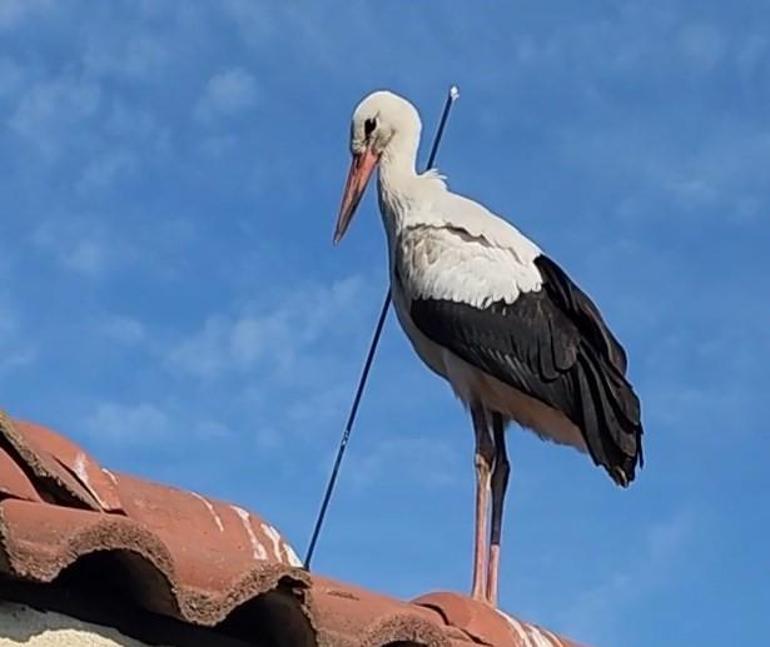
(201, 561)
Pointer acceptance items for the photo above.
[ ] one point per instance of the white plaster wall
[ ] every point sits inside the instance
(23, 625)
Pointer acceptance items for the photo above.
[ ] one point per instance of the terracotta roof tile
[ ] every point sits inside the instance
(203, 558)
(373, 619)
(13, 481)
(77, 462)
(37, 447)
(486, 625)
(204, 561)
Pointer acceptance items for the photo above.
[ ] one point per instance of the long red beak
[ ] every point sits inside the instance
(358, 176)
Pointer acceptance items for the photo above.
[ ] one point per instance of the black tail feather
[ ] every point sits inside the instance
(609, 416)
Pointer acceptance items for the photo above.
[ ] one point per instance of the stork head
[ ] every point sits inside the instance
(384, 126)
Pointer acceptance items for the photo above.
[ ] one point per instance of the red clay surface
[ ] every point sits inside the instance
(198, 559)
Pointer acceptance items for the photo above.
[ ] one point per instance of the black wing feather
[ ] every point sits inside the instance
(582, 311)
(553, 345)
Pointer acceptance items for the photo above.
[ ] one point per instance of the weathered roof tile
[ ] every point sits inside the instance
(203, 561)
(37, 451)
(14, 483)
(84, 468)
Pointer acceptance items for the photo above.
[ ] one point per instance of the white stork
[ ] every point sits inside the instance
(489, 312)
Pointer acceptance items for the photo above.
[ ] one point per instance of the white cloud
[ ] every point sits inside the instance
(253, 20)
(11, 75)
(752, 53)
(138, 55)
(78, 244)
(49, 109)
(702, 45)
(206, 353)
(14, 350)
(709, 401)
(133, 123)
(720, 175)
(218, 145)
(268, 438)
(123, 330)
(419, 459)
(211, 430)
(599, 613)
(8, 325)
(13, 12)
(128, 424)
(326, 402)
(87, 257)
(276, 336)
(103, 171)
(227, 93)
(147, 424)
(17, 357)
(292, 352)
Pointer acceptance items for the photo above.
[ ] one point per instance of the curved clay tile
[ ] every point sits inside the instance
(59, 482)
(41, 540)
(79, 463)
(202, 561)
(486, 625)
(373, 620)
(14, 483)
(229, 541)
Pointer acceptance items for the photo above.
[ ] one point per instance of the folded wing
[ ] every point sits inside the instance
(526, 323)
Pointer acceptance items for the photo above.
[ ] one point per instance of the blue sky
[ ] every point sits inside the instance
(170, 174)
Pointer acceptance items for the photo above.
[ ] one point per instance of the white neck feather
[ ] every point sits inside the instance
(400, 186)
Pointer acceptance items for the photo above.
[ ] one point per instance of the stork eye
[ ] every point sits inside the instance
(369, 126)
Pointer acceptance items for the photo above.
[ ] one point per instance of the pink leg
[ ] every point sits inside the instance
(483, 464)
(499, 483)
